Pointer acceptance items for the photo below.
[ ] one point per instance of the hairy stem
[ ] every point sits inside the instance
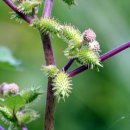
(14, 8)
(102, 58)
(50, 101)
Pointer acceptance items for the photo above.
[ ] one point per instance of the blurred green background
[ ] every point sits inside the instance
(100, 100)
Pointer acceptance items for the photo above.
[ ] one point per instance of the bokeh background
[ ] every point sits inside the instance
(100, 100)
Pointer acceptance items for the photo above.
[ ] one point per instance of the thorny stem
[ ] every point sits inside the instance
(102, 58)
(50, 101)
(67, 66)
(14, 8)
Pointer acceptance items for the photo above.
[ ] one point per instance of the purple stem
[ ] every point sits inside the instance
(47, 8)
(67, 66)
(49, 58)
(14, 8)
(102, 58)
(24, 127)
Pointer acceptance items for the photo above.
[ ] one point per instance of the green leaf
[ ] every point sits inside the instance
(30, 95)
(26, 116)
(7, 61)
(14, 102)
(6, 113)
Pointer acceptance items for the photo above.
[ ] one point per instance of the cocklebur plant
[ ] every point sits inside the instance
(15, 105)
(81, 47)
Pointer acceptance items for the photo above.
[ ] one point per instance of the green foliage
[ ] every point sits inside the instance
(6, 113)
(7, 61)
(14, 110)
(69, 2)
(30, 95)
(26, 116)
(14, 103)
(62, 85)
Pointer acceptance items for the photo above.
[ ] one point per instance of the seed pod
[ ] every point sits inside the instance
(72, 35)
(61, 85)
(88, 57)
(48, 25)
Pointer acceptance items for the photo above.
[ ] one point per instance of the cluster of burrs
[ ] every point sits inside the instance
(82, 47)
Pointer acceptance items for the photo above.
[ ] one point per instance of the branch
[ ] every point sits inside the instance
(46, 42)
(104, 57)
(47, 8)
(67, 66)
(14, 8)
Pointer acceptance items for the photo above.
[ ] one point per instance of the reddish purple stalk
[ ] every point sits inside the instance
(50, 100)
(14, 8)
(47, 8)
(67, 66)
(102, 58)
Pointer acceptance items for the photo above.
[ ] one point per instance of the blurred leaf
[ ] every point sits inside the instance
(30, 95)
(14, 102)
(27, 116)
(6, 113)
(6, 59)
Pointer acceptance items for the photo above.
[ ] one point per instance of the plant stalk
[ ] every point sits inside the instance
(103, 57)
(49, 58)
(68, 65)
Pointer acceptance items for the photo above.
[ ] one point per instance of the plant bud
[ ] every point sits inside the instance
(11, 88)
(95, 46)
(89, 35)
